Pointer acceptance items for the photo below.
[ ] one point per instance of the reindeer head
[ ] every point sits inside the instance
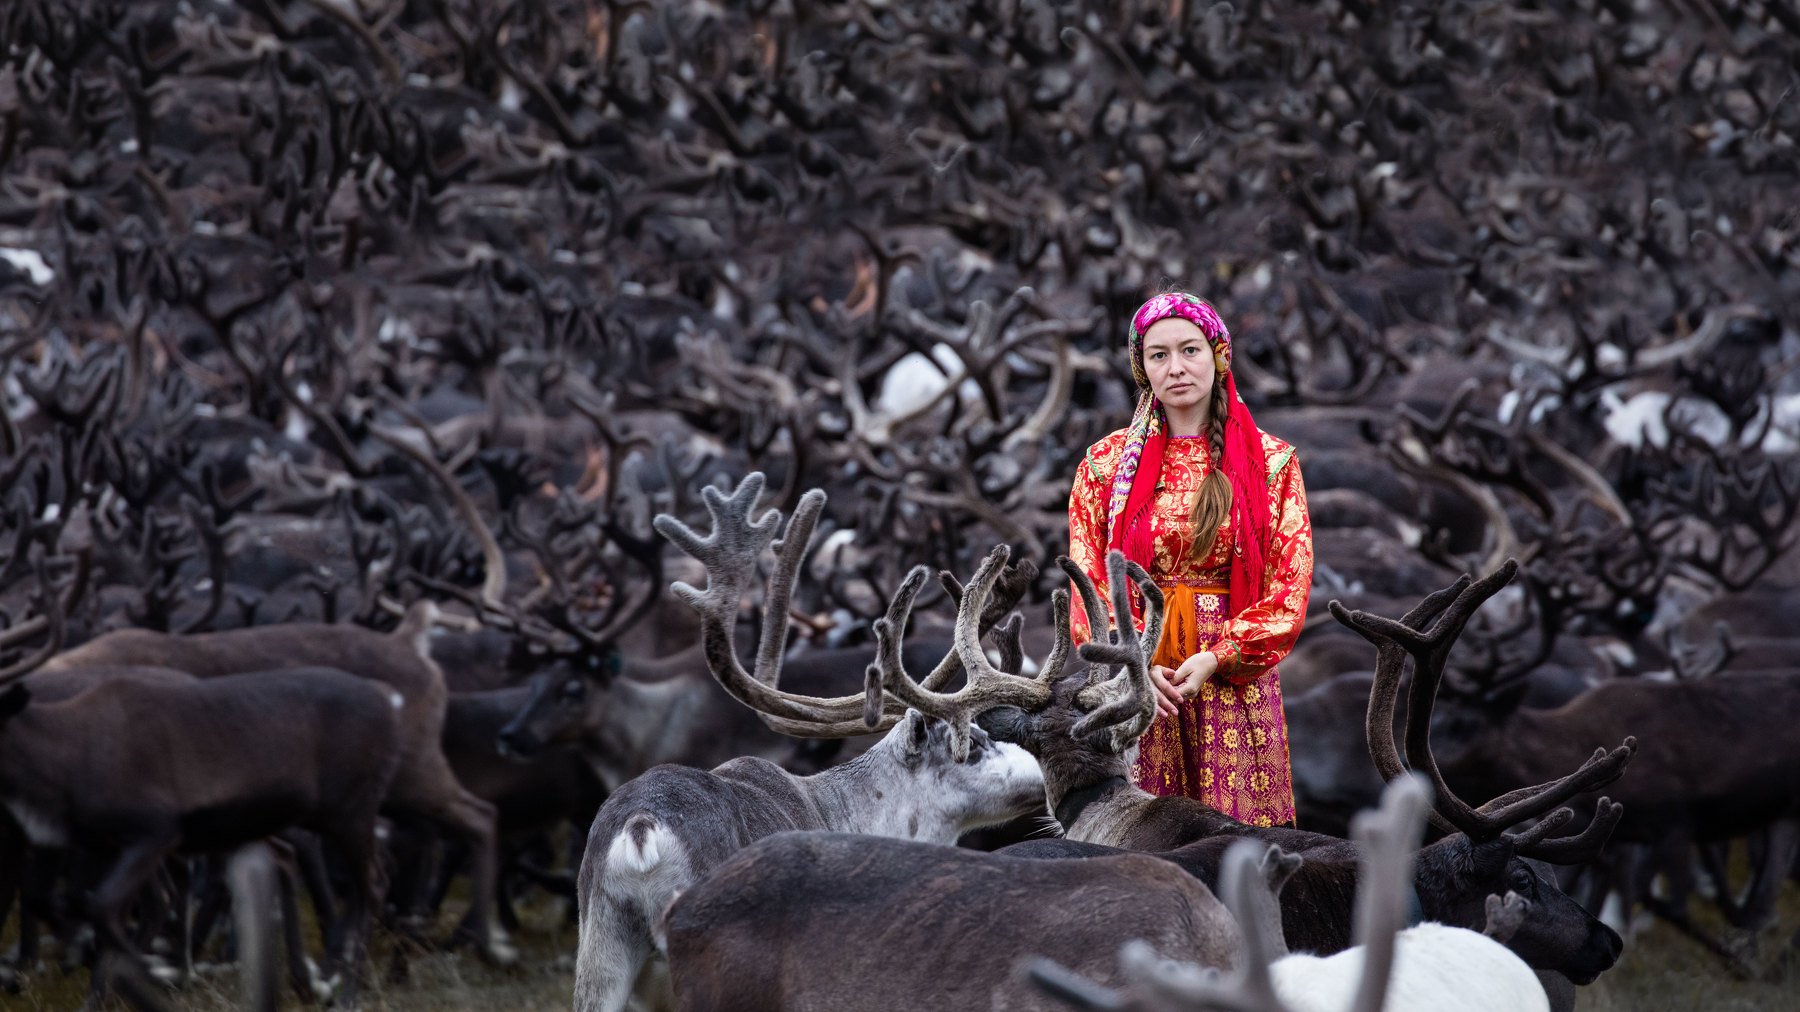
(1090, 717)
(568, 698)
(1457, 874)
(987, 785)
(931, 732)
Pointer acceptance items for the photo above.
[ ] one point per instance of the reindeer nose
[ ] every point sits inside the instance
(517, 743)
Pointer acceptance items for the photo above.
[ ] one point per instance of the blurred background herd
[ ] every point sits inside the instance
(311, 309)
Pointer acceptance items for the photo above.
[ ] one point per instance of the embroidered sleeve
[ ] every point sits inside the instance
(1087, 540)
(1262, 634)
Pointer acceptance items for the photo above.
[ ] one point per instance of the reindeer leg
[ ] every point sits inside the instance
(1780, 847)
(1715, 859)
(414, 850)
(182, 895)
(66, 909)
(206, 916)
(448, 859)
(301, 977)
(503, 902)
(15, 857)
(134, 867)
(309, 857)
(363, 857)
(148, 912)
(474, 820)
(162, 909)
(610, 955)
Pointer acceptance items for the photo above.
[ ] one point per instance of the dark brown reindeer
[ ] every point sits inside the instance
(1424, 968)
(1100, 810)
(152, 765)
(1692, 786)
(531, 794)
(874, 923)
(423, 786)
(932, 777)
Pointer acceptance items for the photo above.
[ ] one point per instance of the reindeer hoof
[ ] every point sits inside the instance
(500, 951)
(162, 970)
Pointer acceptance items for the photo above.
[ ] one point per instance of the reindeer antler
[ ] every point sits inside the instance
(1505, 915)
(55, 606)
(988, 686)
(1126, 702)
(730, 556)
(1448, 611)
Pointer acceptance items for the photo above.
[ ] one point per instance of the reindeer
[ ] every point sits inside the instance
(752, 932)
(1491, 744)
(931, 778)
(153, 766)
(531, 793)
(400, 661)
(1085, 777)
(1427, 968)
(833, 920)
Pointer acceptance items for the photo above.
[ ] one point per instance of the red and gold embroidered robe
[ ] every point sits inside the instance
(1229, 747)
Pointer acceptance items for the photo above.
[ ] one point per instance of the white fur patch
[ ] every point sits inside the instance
(1436, 969)
(641, 845)
(1018, 764)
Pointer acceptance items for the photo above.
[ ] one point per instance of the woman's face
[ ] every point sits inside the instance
(1179, 362)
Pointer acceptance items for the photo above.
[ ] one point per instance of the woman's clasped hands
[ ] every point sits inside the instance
(1175, 686)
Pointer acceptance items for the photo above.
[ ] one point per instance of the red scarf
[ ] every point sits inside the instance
(1246, 467)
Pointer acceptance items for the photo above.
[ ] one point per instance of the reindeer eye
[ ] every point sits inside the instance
(574, 688)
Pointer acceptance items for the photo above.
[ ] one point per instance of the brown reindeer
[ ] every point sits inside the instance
(424, 785)
(154, 766)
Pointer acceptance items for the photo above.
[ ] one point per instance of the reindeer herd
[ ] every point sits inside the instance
(757, 887)
(370, 370)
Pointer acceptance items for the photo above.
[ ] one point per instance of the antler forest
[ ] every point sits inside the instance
(547, 503)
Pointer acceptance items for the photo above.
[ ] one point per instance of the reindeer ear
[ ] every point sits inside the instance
(1489, 858)
(1003, 723)
(13, 700)
(922, 728)
(914, 732)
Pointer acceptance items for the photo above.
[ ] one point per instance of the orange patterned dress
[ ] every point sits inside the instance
(1229, 747)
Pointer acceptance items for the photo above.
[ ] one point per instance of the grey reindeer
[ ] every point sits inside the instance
(933, 776)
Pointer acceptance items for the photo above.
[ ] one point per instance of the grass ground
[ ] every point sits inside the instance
(1661, 971)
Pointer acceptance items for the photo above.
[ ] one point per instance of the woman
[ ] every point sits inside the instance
(1214, 510)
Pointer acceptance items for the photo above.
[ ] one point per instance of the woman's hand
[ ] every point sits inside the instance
(1193, 671)
(1168, 698)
